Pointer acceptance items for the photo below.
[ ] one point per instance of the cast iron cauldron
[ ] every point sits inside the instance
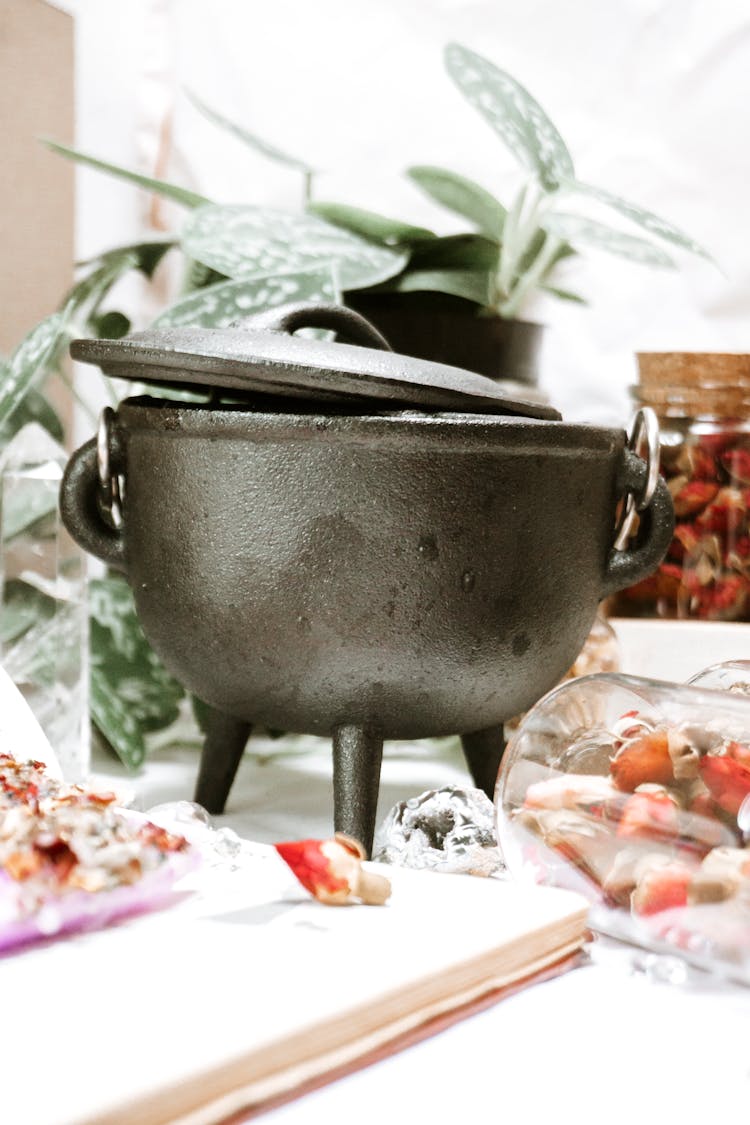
(353, 568)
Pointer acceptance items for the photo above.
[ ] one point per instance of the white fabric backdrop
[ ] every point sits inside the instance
(651, 96)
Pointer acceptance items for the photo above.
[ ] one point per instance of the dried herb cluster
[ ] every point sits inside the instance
(58, 839)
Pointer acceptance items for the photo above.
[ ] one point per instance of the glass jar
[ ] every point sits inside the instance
(702, 401)
(636, 793)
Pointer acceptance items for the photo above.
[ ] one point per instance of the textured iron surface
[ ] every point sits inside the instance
(265, 358)
(429, 574)
(357, 754)
(358, 575)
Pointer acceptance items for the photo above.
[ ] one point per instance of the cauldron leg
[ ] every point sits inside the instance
(357, 755)
(222, 753)
(483, 750)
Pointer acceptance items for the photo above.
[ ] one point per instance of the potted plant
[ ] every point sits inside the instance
(457, 299)
(460, 298)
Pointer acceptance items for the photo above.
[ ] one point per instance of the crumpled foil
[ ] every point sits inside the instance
(449, 829)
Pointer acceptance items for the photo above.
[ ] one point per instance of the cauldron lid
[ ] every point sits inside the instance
(263, 357)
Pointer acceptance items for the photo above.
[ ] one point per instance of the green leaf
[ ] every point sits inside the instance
(34, 407)
(512, 112)
(646, 219)
(370, 225)
(220, 305)
(456, 252)
(534, 249)
(473, 285)
(243, 241)
(157, 187)
(250, 139)
(574, 228)
(24, 509)
(22, 607)
(91, 290)
(110, 325)
(201, 713)
(198, 276)
(564, 294)
(462, 196)
(131, 691)
(146, 255)
(115, 721)
(29, 363)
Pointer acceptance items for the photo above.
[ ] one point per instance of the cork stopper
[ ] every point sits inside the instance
(695, 383)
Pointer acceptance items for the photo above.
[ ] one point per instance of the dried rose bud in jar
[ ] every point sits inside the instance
(702, 400)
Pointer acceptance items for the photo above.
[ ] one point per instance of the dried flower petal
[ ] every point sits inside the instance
(643, 759)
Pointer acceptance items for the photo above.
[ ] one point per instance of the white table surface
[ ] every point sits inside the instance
(606, 1042)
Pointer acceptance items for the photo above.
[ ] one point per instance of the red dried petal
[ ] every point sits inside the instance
(699, 463)
(311, 866)
(738, 752)
(693, 497)
(652, 816)
(723, 600)
(727, 780)
(22, 865)
(159, 838)
(726, 514)
(646, 759)
(736, 462)
(685, 541)
(58, 855)
(662, 889)
(101, 798)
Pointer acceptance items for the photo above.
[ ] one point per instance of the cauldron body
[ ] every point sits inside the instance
(406, 573)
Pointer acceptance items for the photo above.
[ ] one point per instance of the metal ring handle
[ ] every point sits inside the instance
(111, 485)
(626, 567)
(344, 321)
(81, 508)
(644, 442)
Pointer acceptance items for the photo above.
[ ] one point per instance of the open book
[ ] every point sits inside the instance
(247, 990)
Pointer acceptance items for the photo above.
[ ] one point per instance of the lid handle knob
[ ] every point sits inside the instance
(345, 322)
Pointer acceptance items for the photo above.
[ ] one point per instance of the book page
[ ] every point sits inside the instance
(150, 1018)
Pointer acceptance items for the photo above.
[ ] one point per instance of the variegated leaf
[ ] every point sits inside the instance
(217, 306)
(242, 241)
(34, 407)
(369, 224)
(29, 363)
(90, 291)
(131, 691)
(461, 195)
(248, 138)
(575, 228)
(650, 222)
(148, 255)
(158, 187)
(512, 112)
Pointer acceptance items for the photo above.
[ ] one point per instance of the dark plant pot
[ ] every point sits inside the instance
(436, 326)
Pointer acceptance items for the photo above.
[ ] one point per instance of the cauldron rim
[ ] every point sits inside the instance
(235, 420)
